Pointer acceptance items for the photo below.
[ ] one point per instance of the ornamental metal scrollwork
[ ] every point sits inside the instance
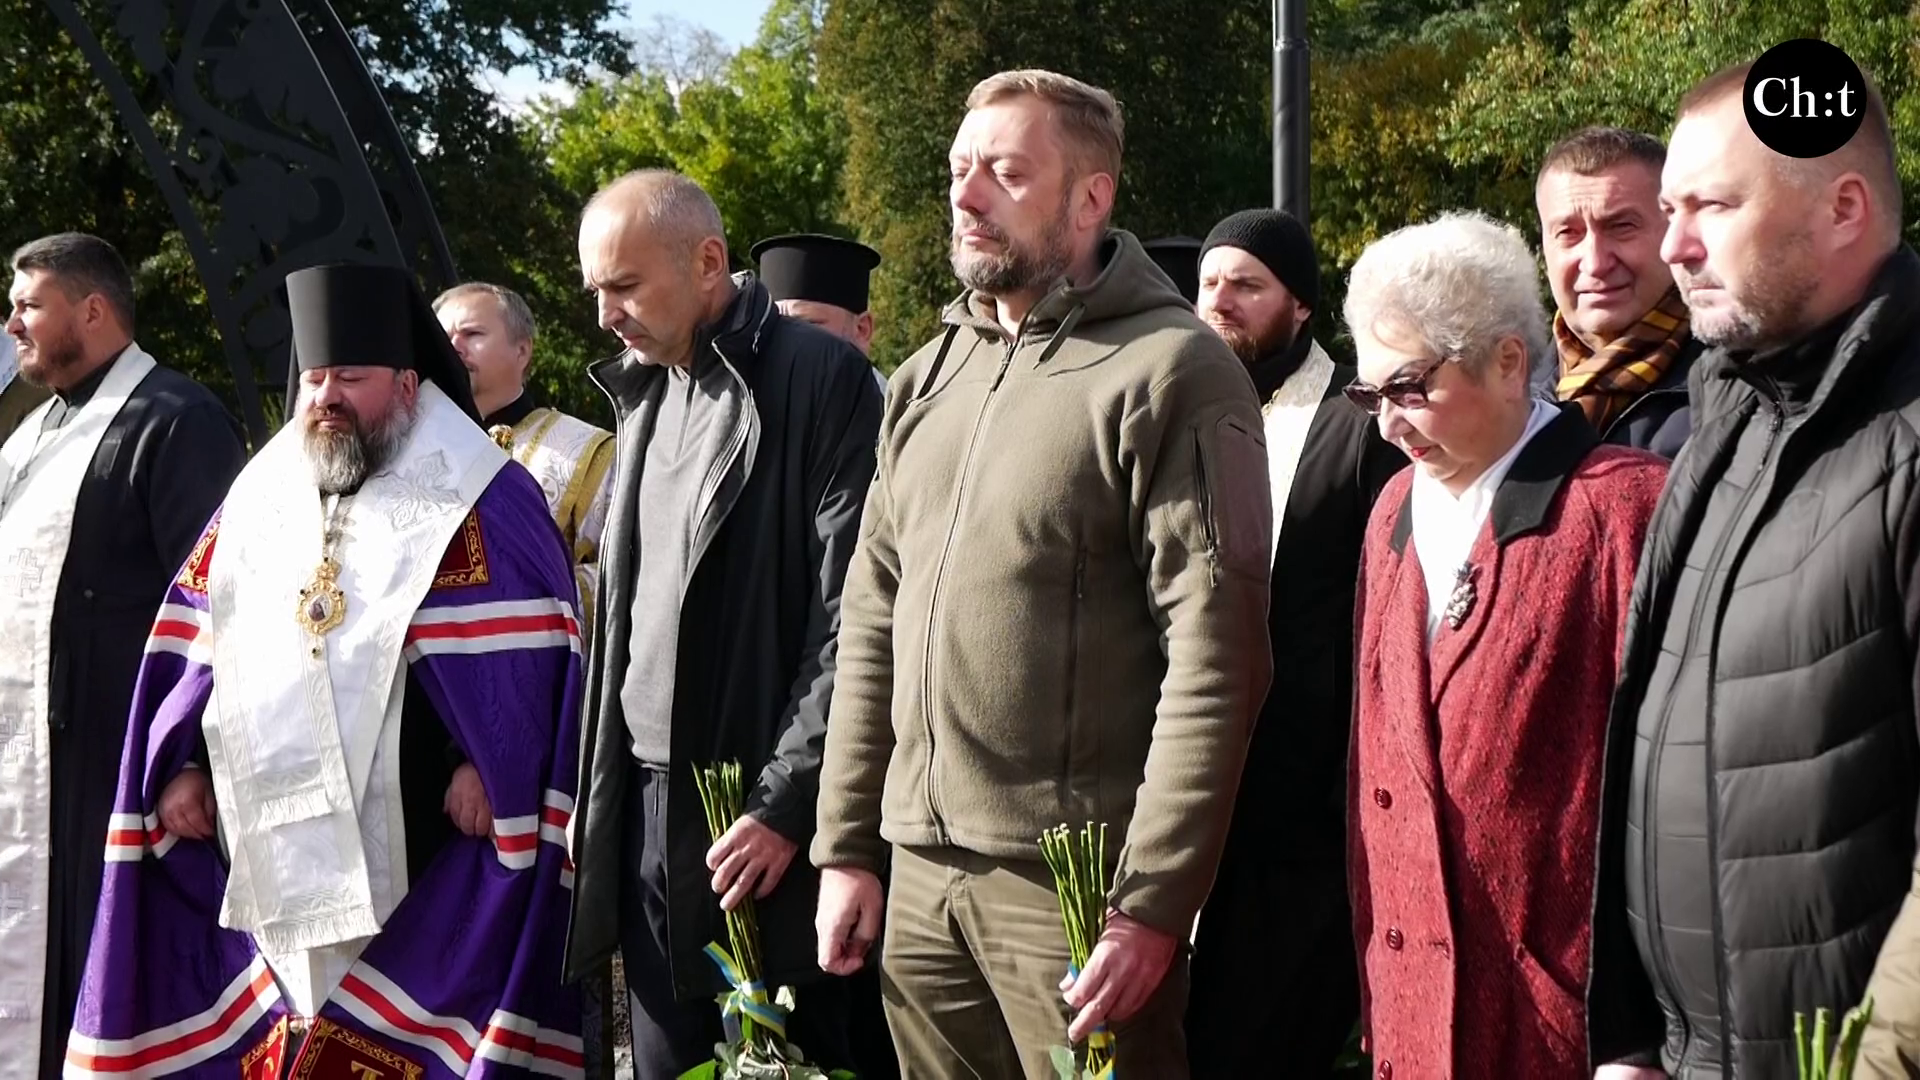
(273, 149)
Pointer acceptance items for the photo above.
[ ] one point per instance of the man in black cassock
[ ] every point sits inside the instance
(823, 280)
(820, 280)
(1273, 961)
(103, 490)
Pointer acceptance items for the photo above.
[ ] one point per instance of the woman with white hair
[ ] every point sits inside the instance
(1494, 590)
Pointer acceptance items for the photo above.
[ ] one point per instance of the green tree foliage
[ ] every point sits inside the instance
(756, 133)
(1191, 76)
(1378, 158)
(751, 128)
(1629, 64)
(66, 163)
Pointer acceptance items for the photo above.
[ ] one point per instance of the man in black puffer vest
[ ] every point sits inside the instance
(1762, 773)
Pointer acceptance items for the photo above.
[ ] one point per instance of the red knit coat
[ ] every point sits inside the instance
(1475, 772)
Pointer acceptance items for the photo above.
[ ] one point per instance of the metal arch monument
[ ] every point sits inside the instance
(272, 147)
(275, 151)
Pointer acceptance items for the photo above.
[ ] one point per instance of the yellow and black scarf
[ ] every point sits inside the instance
(1602, 383)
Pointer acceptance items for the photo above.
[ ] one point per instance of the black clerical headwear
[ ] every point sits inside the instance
(1179, 258)
(824, 269)
(360, 315)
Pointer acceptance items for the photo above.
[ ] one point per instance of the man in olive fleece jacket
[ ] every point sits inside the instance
(1057, 613)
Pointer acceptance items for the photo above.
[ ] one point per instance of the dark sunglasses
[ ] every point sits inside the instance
(1407, 391)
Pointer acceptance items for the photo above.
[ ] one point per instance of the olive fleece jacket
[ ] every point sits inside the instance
(1057, 612)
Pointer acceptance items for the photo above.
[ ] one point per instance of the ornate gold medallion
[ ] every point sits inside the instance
(322, 605)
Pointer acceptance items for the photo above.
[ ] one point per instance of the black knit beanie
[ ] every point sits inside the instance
(1277, 239)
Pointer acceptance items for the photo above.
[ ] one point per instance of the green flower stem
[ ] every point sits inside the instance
(1078, 863)
(1819, 1061)
(723, 799)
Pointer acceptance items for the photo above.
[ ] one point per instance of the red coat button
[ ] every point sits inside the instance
(1386, 1070)
(1394, 938)
(1382, 798)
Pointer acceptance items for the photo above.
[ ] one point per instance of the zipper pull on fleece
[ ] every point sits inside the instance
(1006, 362)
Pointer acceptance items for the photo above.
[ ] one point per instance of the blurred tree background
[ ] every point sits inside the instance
(66, 162)
(837, 117)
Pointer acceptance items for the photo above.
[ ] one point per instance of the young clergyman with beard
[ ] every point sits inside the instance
(1273, 959)
(104, 486)
(1067, 539)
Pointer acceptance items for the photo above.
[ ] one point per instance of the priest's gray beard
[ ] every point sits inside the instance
(342, 460)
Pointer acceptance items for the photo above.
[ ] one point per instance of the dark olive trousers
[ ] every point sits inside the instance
(970, 970)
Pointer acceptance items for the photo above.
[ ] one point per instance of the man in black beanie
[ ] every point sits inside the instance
(1273, 955)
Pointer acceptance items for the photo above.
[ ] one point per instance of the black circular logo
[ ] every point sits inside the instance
(1805, 98)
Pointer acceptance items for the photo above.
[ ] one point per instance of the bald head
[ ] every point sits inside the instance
(1767, 248)
(673, 207)
(654, 253)
(1868, 155)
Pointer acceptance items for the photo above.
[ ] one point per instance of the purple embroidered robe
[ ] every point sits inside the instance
(464, 977)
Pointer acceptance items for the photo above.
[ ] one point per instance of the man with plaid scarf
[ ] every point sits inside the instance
(1621, 326)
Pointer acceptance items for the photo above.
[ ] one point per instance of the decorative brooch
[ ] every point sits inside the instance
(1460, 604)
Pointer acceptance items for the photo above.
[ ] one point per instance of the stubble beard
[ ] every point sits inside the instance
(52, 357)
(1772, 311)
(1017, 267)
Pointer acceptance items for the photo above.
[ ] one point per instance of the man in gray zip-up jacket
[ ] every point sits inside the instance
(745, 445)
(1057, 613)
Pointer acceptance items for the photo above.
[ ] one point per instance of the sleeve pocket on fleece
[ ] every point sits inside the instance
(1234, 496)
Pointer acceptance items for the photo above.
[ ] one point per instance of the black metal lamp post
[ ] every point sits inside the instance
(1290, 111)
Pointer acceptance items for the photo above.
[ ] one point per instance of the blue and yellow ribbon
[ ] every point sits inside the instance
(749, 997)
(1102, 1039)
(1099, 1038)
